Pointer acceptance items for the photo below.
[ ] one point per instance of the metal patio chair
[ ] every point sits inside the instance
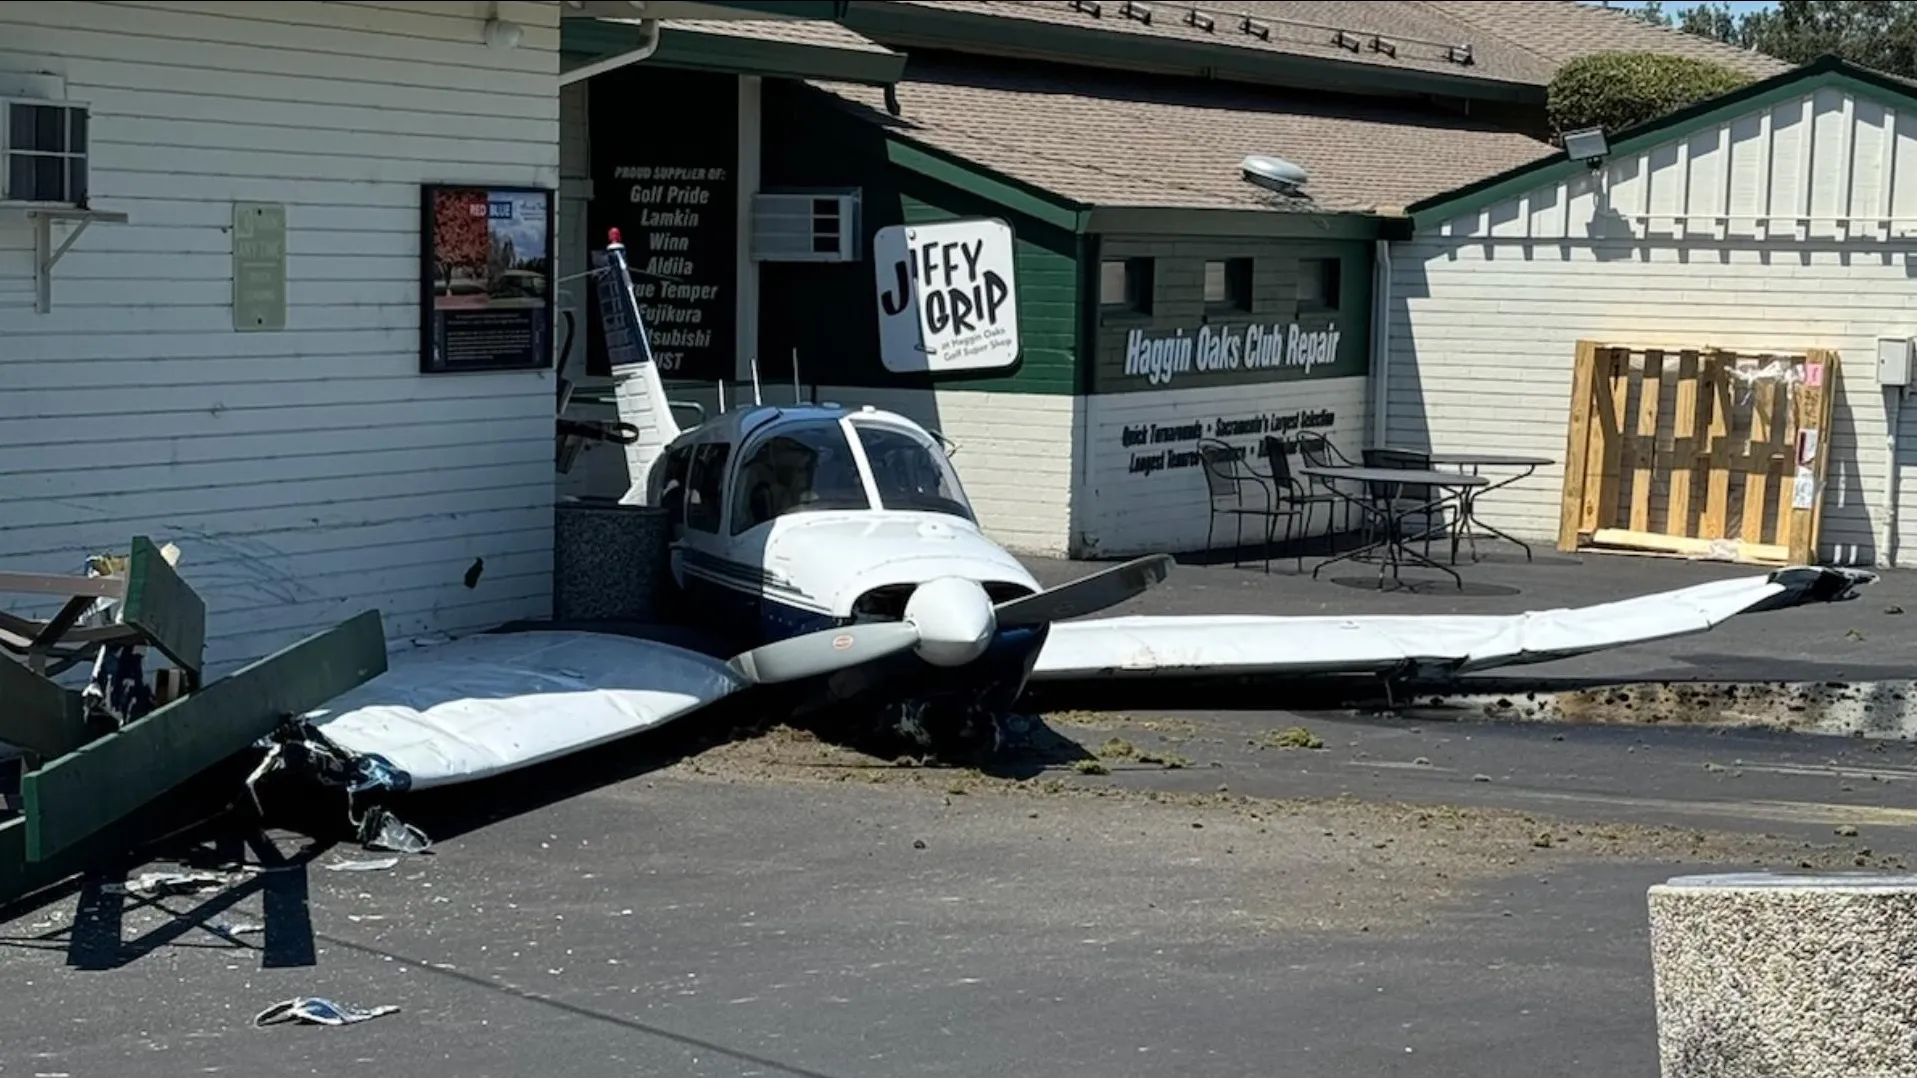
(1226, 478)
(1317, 451)
(1299, 497)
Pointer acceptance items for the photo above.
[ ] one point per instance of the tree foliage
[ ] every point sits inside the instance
(1880, 34)
(1619, 90)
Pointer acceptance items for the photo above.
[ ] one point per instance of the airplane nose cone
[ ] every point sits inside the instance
(954, 619)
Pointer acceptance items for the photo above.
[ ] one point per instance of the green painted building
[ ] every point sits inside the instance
(1164, 298)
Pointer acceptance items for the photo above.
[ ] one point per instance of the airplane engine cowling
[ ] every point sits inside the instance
(954, 619)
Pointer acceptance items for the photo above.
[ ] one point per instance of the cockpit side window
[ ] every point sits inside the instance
(672, 485)
(911, 472)
(705, 486)
(803, 467)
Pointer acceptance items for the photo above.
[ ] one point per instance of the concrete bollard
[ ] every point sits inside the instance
(1770, 975)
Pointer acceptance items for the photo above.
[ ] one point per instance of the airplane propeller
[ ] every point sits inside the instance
(949, 620)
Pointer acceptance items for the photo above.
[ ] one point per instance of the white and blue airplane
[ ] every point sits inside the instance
(833, 550)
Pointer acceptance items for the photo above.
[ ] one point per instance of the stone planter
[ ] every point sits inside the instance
(609, 561)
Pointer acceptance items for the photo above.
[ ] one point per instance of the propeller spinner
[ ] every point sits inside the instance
(949, 620)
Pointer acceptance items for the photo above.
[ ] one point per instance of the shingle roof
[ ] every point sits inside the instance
(1561, 31)
(1420, 39)
(828, 35)
(1518, 41)
(1103, 140)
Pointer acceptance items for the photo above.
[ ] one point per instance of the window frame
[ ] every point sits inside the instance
(84, 156)
(695, 471)
(1237, 277)
(751, 448)
(1330, 272)
(1139, 288)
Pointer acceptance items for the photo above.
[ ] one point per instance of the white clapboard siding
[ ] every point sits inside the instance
(1791, 226)
(1122, 513)
(310, 473)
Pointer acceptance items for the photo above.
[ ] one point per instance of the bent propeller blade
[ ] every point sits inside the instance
(1086, 594)
(823, 652)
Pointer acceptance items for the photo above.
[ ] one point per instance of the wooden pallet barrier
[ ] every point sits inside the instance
(1704, 452)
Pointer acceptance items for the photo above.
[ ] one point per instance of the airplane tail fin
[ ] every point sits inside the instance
(638, 391)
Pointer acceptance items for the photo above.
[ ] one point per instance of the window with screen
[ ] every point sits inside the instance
(44, 145)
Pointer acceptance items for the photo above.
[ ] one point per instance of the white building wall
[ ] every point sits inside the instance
(1791, 227)
(1126, 508)
(310, 473)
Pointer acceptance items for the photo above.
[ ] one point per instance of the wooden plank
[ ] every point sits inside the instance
(1614, 421)
(100, 587)
(1685, 423)
(1717, 482)
(1643, 477)
(89, 789)
(1813, 408)
(162, 606)
(39, 715)
(1758, 462)
(1688, 546)
(1600, 462)
(1577, 444)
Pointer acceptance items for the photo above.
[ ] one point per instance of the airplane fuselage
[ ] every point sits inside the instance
(805, 572)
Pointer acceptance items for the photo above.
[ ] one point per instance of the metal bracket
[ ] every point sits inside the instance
(46, 256)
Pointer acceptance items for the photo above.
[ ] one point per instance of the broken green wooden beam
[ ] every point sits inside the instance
(164, 608)
(39, 715)
(86, 790)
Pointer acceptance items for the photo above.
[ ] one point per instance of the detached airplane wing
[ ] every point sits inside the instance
(1442, 644)
(494, 702)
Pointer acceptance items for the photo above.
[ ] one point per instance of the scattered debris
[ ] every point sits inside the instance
(918, 843)
(1847, 831)
(1090, 767)
(313, 1010)
(1480, 778)
(1297, 737)
(161, 884)
(381, 830)
(376, 864)
(236, 929)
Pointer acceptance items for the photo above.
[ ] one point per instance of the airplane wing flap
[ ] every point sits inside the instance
(1266, 645)
(490, 703)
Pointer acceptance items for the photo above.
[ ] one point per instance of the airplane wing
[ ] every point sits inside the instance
(1441, 644)
(495, 702)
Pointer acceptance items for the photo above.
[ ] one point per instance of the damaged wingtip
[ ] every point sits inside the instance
(1823, 583)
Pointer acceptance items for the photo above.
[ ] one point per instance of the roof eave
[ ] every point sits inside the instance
(587, 41)
(1826, 71)
(914, 26)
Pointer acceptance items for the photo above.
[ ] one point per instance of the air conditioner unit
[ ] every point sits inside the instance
(806, 226)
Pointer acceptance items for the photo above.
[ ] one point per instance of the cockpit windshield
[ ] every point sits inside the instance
(911, 471)
(805, 467)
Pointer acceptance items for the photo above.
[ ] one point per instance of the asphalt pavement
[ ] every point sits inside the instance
(1194, 891)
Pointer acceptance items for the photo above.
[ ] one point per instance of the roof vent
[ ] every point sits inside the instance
(1274, 174)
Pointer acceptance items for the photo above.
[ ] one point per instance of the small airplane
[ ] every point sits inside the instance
(834, 551)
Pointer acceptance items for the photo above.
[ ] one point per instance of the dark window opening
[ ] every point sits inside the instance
(1228, 284)
(1318, 283)
(1125, 284)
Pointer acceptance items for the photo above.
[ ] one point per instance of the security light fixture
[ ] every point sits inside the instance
(1132, 10)
(1587, 144)
(1089, 7)
(1346, 40)
(1259, 30)
(1197, 18)
(503, 35)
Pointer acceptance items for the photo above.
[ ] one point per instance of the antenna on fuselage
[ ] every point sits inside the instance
(755, 381)
(722, 396)
(797, 397)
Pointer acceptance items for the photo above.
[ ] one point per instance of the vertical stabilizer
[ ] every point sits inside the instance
(638, 391)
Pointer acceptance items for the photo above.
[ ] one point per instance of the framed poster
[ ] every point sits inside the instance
(486, 278)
